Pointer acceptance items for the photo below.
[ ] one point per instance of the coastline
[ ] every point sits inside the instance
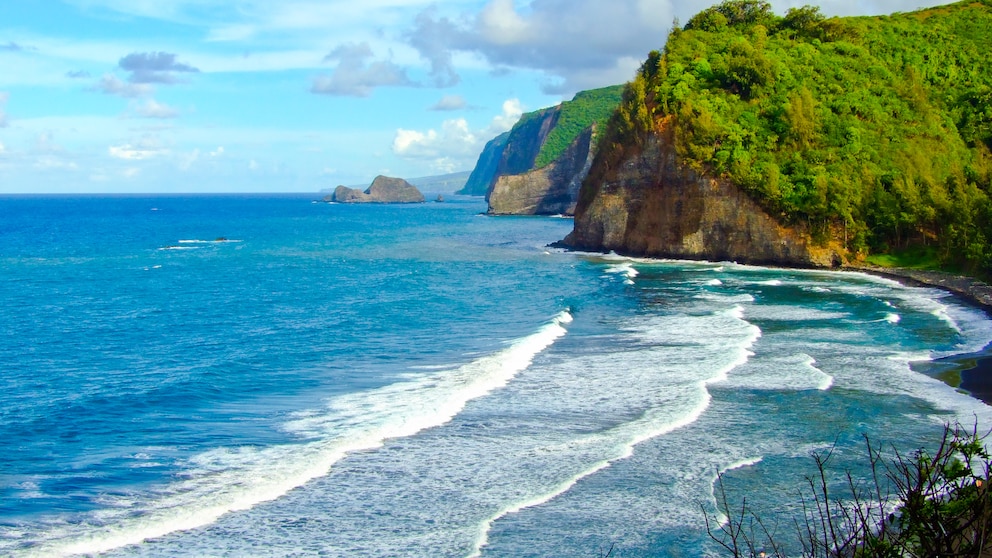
(971, 372)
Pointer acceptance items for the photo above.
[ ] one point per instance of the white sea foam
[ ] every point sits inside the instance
(789, 313)
(725, 298)
(223, 480)
(721, 518)
(624, 268)
(714, 282)
(690, 352)
(179, 248)
(782, 372)
(892, 318)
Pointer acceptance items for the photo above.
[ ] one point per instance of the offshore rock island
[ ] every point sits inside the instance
(384, 189)
(802, 141)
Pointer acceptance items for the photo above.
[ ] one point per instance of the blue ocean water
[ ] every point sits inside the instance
(268, 376)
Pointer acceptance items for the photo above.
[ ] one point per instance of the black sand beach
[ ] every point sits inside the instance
(970, 372)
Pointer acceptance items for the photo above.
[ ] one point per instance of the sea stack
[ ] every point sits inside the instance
(384, 189)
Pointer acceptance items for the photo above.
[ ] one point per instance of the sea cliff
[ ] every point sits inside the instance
(802, 140)
(653, 204)
(538, 166)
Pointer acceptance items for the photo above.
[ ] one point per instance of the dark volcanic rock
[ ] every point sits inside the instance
(383, 190)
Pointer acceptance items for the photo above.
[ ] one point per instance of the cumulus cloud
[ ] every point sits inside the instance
(147, 146)
(154, 109)
(578, 44)
(450, 102)
(113, 85)
(154, 67)
(356, 75)
(455, 146)
(430, 38)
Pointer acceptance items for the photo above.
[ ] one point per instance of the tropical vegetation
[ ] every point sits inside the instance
(873, 133)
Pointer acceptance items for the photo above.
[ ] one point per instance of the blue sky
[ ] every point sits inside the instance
(299, 95)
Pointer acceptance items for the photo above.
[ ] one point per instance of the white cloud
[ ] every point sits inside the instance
(154, 109)
(512, 111)
(112, 85)
(2, 149)
(131, 153)
(217, 152)
(357, 77)
(579, 44)
(450, 102)
(52, 162)
(455, 146)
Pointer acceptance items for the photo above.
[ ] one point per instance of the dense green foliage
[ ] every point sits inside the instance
(873, 132)
(588, 107)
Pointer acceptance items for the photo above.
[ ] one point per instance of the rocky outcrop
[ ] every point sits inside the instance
(652, 204)
(485, 168)
(551, 190)
(383, 190)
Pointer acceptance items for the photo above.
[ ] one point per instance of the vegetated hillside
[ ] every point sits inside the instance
(587, 108)
(870, 133)
(541, 137)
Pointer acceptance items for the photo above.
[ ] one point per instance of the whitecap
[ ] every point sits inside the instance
(691, 351)
(223, 480)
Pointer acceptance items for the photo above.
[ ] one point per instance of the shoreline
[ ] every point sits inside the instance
(970, 372)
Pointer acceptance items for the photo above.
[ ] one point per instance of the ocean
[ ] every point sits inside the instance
(265, 375)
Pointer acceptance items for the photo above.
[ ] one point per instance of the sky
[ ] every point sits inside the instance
(164, 96)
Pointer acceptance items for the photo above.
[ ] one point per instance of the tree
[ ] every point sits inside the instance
(944, 507)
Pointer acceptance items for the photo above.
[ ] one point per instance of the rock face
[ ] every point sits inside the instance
(652, 204)
(551, 190)
(485, 168)
(383, 190)
(516, 189)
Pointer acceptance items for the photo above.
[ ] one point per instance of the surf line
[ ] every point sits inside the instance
(239, 480)
(633, 433)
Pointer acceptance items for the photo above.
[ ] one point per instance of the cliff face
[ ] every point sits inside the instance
(538, 166)
(383, 190)
(484, 172)
(550, 190)
(652, 204)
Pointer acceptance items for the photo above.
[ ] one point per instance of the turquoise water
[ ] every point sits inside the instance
(267, 376)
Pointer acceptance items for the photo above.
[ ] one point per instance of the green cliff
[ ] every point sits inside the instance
(537, 167)
(848, 136)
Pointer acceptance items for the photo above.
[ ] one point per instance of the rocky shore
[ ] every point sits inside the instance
(969, 289)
